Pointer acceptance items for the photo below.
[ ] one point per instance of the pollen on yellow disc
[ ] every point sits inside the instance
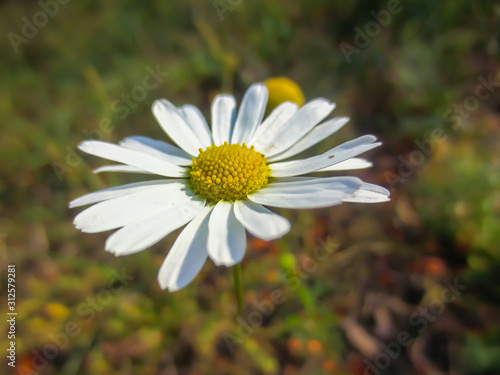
(282, 89)
(228, 172)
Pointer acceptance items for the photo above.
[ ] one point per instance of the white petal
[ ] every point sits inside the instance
(226, 236)
(159, 149)
(120, 168)
(134, 158)
(172, 121)
(314, 193)
(317, 134)
(295, 179)
(349, 164)
(259, 221)
(369, 193)
(336, 155)
(299, 125)
(250, 114)
(196, 121)
(272, 126)
(145, 231)
(188, 254)
(116, 191)
(223, 118)
(118, 212)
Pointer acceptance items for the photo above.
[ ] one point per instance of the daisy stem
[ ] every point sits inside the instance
(238, 288)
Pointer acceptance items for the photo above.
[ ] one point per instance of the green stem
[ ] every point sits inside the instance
(302, 291)
(238, 288)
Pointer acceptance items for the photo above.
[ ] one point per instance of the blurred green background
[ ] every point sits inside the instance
(422, 75)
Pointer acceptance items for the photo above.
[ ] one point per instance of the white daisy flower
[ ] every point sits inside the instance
(218, 182)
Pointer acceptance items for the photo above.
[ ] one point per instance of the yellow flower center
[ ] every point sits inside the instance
(228, 172)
